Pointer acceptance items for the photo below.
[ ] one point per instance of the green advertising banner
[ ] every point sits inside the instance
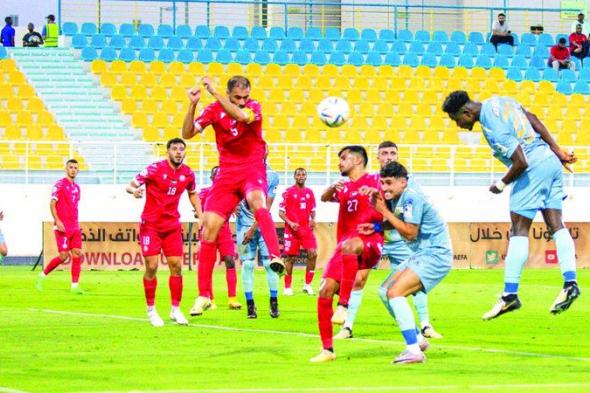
(573, 4)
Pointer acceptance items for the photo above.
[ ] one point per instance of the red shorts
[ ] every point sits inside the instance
(67, 241)
(373, 245)
(225, 242)
(295, 240)
(152, 241)
(232, 185)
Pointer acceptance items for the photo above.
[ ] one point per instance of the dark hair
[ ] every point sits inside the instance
(581, 13)
(71, 161)
(238, 81)
(51, 17)
(501, 14)
(394, 169)
(300, 169)
(8, 20)
(386, 144)
(455, 101)
(174, 141)
(562, 40)
(356, 149)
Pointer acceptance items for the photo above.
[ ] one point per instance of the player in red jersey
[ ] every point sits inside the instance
(354, 251)
(160, 229)
(298, 211)
(227, 252)
(64, 209)
(237, 121)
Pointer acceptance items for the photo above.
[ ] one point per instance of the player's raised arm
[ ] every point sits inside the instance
(189, 127)
(230, 108)
(330, 192)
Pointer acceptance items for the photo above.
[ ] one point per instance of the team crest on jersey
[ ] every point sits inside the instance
(408, 209)
(181, 178)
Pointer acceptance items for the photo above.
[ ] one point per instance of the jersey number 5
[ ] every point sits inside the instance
(351, 205)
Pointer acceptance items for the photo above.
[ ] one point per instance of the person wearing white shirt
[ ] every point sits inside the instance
(501, 32)
(580, 21)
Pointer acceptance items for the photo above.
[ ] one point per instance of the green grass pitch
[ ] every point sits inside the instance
(53, 341)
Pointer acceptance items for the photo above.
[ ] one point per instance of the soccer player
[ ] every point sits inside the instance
(64, 209)
(522, 143)
(297, 209)
(407, 210)
(227, 251)
(249, 242)
(396, 250)
(160, 230)
(237, 121)
(354, 251)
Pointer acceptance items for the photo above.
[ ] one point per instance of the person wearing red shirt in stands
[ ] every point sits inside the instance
(578, 43)
(560, 57)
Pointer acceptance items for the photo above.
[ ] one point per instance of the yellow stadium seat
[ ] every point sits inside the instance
(168, 79)
(254, 70)
(44, 117)
(405, 71)
(296, 96)
(496, 73)
(577, 100)
(195, 69)
(24, 118)
(35, 104)
(7, 64)
(386, 71)
(13, 132)
(330, 69)
(26, 91)
(311, 70)
(14, 105)
(147, 79)
(5, 119)
(119, 92)
(128, 79)
(266, 83)
(411, 97)
(304, 82)
(348, 70)
(367, 71)
(442, 72)
(16, 78)
(98, 67)
(149, 105)
(139, 120)
(139, 92)
(179, 68)
(301, 123)
(510, 87)
(479, 73)
(315, 96)
(158, 93)
(157, 67)
(323, 83)
(373, 97)
(360, 83)
(137, 67)
(272, 69)
(170, 107)
(234, 69)
(423, 71)
(189, 81)
(108, 79)
(293, 70)
(128, 106)
(118, 67)
(460, 72)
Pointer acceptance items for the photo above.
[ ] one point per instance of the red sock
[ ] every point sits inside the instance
(76, 267)
(268, 230)
(175, 285)
(207, 257)
(349, 269)
(231, 278)
(55, 262)
(149, 287)
(325, 321)
(309, 277)
(288, 280)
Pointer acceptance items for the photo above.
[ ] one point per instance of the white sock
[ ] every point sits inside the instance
(425, 323)
(74, 285)
(173, 309)
(151, 309)
(414, 348)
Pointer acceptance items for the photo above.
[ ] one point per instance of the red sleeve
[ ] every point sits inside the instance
(207, 116)
(191, 186)
(283, 204)
(56, 191)
(144, 176)
(312, 204)
(553, 52)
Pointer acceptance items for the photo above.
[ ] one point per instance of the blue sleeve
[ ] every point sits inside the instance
(44, 32)
(273, 183)
(413, 208)
(501, 133)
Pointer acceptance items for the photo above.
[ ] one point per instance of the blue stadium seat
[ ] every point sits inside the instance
(221, 32)
(175, 43)
(332, 33)
(147, 55)
(520, 62)
(532, 74)
(166, 55)
(270, 45)
(145, 30)
(369, 35)
(564, 87)
(459, 37)
(501, 61)
(524, 50)
(277, 33)
(514, 74)
(184, 31)
(299, 57)
(117, 42)
(137, 42)
(549, 74)
(202, 32)
(240, 32)
(127, 54)
(156, 42)
(422, 35)
(98, 41)
(538, 62)
(411, 59)
(381, 46)
(243, 57)
(318, 58)
(325, 45)
(356, 59)
(546, 39)
(281, 57)
(447, 60)
(88, 29)
(223, 57)
(127, 29)
(584, 75)
(307, 45)
(69, 28)
(567, 75)
(541, 51)
(516, 39)
(79, 41)
(399, 47)
(405, 35)
(484, 61)
(392, 59)
(193, 43)
(258, 32)
(387, 35)
(488, 49)
(107, 54)
(453, 49)
(337, 58)
(506, 50)
(251, 44)
(108, 29)
(470, 49)
(295, 33)
(213, 43)
(528, 39)
(351, 34)
(288, 45)
(344, 46)
(374, 59)
(577, 62)
(165, 31)
(88, 53)
(476, 37)
(262, 57)
(203, 56)
(440, 36)
(313, 33)
(185, 56)
(466, 61)
(417, 47)
(581, 87)
(435, 48)
(362, 46)
(429, 60)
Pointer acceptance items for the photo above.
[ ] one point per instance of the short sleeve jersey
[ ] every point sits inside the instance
(164, 185)
(238, 143)
(245, 217)
(67, 195)
(392, 235)
(505, 126)
(298, 204)
(355, 208)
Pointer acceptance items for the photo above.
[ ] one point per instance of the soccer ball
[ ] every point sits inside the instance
(333, 111)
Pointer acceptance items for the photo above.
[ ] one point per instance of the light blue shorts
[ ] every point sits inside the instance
(431, 265)
(247, 252)
(397, 252)
(538, 188)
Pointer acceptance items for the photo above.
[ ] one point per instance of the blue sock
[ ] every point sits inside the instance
(566, 254)
(271, 277)
(249, 296)
(354, 303)
(405, 319)
(421, 306)
(248, 278)
(518, 254)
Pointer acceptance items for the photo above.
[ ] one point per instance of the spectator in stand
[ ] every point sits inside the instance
(501, 32)
(560, 57)
(50, 32)
(580, 21)
(32, 38)
(8, 32)
(578, 43)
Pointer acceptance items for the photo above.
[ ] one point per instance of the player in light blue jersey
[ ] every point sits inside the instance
(394, 249)
(407, 210)
(252, 245)
(521, 142)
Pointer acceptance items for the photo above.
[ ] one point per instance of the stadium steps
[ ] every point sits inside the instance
(82, 107)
